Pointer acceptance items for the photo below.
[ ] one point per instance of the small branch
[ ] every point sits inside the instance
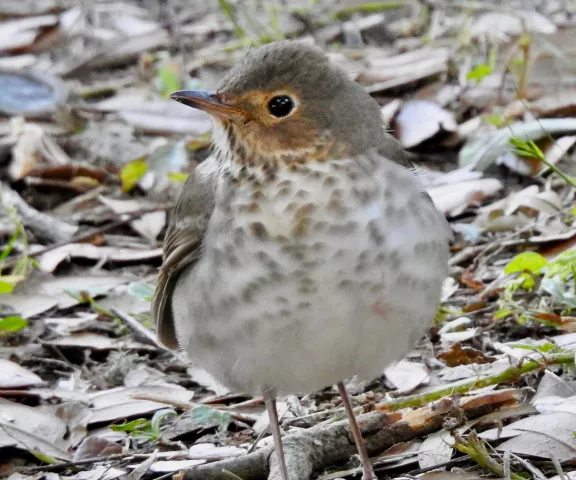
(43, 225)
(325, 445)
(125, 218)
(511, 374)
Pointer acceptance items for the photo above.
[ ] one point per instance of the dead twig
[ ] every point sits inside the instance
(43, 225)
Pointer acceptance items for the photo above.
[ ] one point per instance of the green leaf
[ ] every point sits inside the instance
(479, 72)
(141, 290)
(6, 287)
(500, 314)
(524, 262)
(132, 173)
(563, 265)
(206, 415)
(132, 426)
(178, 177)
(158, 417)
(170, 79)
(44, 458)
(11, 324)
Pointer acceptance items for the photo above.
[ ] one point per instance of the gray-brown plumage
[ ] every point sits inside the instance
(304, 250)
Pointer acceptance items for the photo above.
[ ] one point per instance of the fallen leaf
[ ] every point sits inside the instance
(453, 199)
(118, 404)
(541, 436)
(435, 449)
(420, 120)
(94, 341)
(32, 429)
(15, 376)
(50, 260)
(35, 297)
(93, 447)
(459, 355)
(405, 376)
(482, 149)
(210, 452)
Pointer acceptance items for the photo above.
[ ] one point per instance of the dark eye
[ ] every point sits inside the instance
(280, 106)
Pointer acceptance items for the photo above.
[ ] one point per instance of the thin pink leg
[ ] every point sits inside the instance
(270, 401)
(366, 465)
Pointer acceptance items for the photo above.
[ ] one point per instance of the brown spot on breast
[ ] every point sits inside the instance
(304, 210)
(375, 233)
(258, 230)
(345, 283)
(303, 305)
(301, 228)
(283, 192)
(330, 181)
(257, 195)
(302, 194)
(317, 247)
(320, 226)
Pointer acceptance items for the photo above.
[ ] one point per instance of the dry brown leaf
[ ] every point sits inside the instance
(459, 355)
(93, 447)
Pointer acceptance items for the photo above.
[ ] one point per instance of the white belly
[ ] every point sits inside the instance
(299, 309)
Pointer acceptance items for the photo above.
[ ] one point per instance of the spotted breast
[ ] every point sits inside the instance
(324, 271)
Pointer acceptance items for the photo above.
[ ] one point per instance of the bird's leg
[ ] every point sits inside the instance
(270, 400)
(368, 471)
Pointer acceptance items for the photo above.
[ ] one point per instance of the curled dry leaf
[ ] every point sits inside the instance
(32, 429)
(167, 466)
(94, 341)
(435, 449)
(21, 34)
(557, 150)
(34, 298)
(209, 451)
(543, 436)
(482, 150)
(405, 376)
(15, 376)
(50, 260)
(452, 199)
(149, 225)
(502, 25)
(420, 120)
(120, 403)
(93, 447)
(388, 72)
(463, 355)
(150, 115)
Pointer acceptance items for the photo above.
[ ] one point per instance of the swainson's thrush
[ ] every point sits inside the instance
(304, 251)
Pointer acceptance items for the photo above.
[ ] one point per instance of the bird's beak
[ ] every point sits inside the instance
(209, 102)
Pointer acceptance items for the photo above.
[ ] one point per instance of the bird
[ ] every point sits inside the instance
(305, 250)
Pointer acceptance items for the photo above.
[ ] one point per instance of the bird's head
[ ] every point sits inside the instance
(287, 101)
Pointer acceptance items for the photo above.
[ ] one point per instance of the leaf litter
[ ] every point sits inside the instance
(94, 155)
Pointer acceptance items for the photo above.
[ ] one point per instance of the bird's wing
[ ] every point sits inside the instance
(183, 245)
(393, 150)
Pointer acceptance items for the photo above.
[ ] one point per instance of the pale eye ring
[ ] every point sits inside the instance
(280, 106)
